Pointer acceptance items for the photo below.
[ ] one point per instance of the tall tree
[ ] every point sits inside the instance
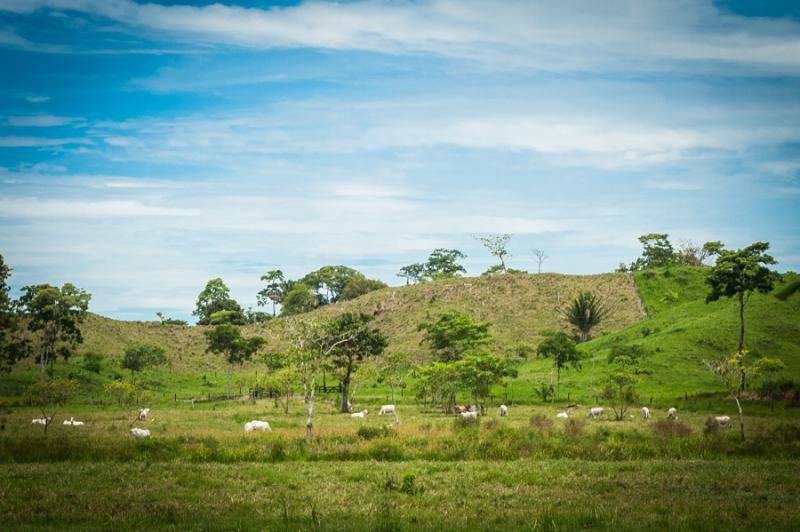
(738, 274)
(275, 291)
(497, 245)
(298, 300)
(479, 372)
(443, 264)
(215, 306)
(541, 256)
(140, 356)
(54, 316)
(455, 334)
(564, 353)
(393, 370)
(364, 341)
(586, 312)
(12, 347)
(226, 339)
(330, 281)
(413, 273)
(657, 251)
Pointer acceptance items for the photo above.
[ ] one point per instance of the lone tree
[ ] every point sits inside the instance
(54, 316)
(455, 334)
(275, 291)
(140, 356)
(541, 256)
(585, 312)
(443, 264)
(739, 273)
(49, 395)
(226, 339)
(497, 246)
(413, 273)
(216, 307)
(364, 341)
(736, 371)
(564, 353)
(656, 251)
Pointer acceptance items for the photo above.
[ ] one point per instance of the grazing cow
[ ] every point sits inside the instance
(563, 415)
(457, 409)
(257, 425)
(140, 433)
(387, 409)
(672, 413)
(503, 410)
(473, 408)
(469, 414)
(73, 422)
(722, 421)
(41, 421)
(360, 415)
(143, 413)
(596, 412)
(645, 412)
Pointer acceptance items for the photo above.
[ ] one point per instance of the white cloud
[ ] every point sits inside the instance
(557, 36)
(39, 142)
(38, 121)
(37, 99)
(678, 185)
(50, 208)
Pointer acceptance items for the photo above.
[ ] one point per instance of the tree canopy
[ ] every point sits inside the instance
(455, 334)
(215, 306)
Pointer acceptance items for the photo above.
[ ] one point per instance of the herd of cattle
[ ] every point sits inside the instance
(470, 411)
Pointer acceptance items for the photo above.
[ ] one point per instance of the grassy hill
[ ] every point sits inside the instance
(679, 330)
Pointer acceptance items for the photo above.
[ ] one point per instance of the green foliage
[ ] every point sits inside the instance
(497, 246)
(657, 252)
(298, 300)
(480, 371)
(50, 394)
(359, 286)
(166, 321)
(522, 350)
(330, 281)
(93, 361)
(441, 264)
(564, 353)
(227, 339)
(621, 383)
(276, 290)
(215, 306)
(54, 316)
(393, 369)
(12, 347)
(585, 313)
(141, 356)
(124, 393)
(256, 316)
(368, 432)
(455, 334)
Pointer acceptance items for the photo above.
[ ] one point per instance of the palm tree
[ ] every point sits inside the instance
(585, 313)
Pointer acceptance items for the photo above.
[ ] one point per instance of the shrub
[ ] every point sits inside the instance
(365, 432)
(93, 361)
(386, 451)
(541, 423)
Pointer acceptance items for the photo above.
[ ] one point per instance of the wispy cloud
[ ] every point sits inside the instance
(50, 208)
(39, 121)
(37, 99)
(39, 142)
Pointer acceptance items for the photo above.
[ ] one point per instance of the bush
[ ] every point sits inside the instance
(386, 451)
(93, 361)
(365, 432)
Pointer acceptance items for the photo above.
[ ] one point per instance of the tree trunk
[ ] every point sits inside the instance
(346, 389)
(309, 397)
(741, 416)
(392, 388)
(558, 384)
(286, 402)
(230, 378)
(741, 321)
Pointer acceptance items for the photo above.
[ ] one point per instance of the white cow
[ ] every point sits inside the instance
(73, 422)
(387, 409)
(596, 412)
(40, 421)
(257, 425)
(563, 415)
(360, 415)
(469, 414)
(503, 410)
(143, 413)
(722, 421)
(140, 433)
(645, 412)
(672, 413)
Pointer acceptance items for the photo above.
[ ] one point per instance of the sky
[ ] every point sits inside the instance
(147, 147)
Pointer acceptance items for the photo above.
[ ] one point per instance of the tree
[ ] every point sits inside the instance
(226, 339)
(283, 383)
(360, 286)
(657, 251)
(331, 281)
(12, 347)
(736, 371)
(442, 264)
(440, 382)
(298, 300)
(364, 341)
(541, 256)
(691, 254)
(51, 394)
(564, 353)
(276, 289)
(497, 246)
(412, 273)
(54, 316)
(479, 371)
(586, 312)
(455, 334)
(393, 370)
(215, 306)
(256, 316)
(739, 273)
(621, 385)
(140, 356)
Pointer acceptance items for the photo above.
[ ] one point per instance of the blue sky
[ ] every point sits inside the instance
(148, 147)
